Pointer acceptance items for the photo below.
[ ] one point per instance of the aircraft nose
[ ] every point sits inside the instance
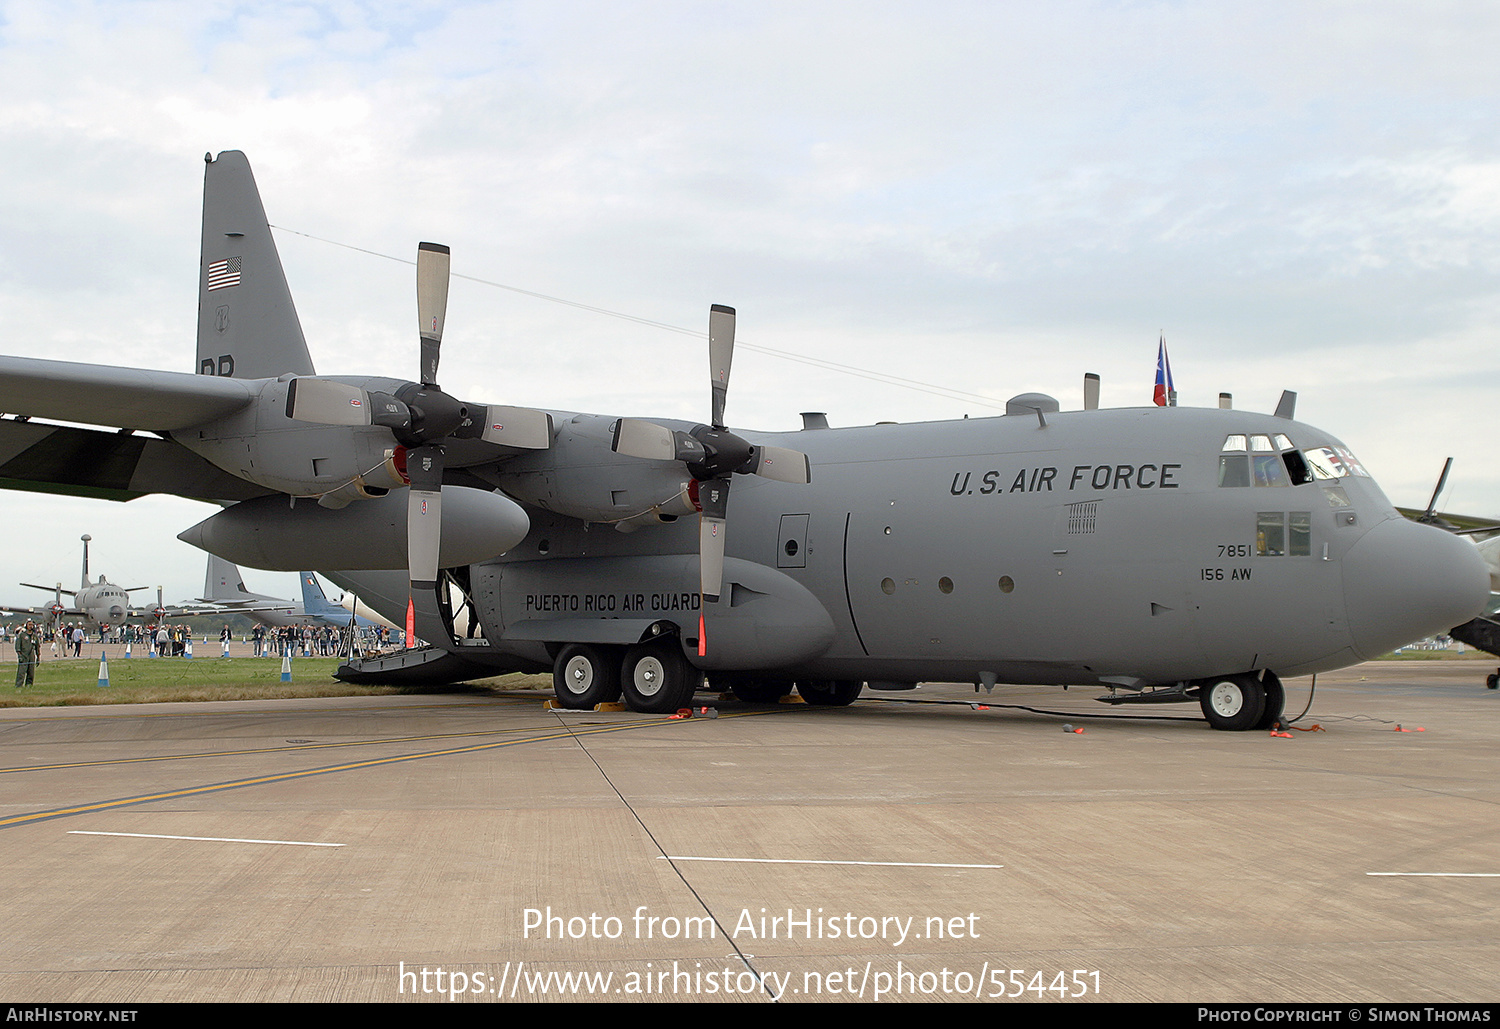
(1404, 581)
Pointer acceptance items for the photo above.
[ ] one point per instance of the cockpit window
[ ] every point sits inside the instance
(1268, 470)
(1252, 459)
(1334, 463)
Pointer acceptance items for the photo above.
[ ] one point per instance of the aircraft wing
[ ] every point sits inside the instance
(239, 607)
(1462, 524)
(209, 610)
(81, 462)
(127, 398)
(39, 612)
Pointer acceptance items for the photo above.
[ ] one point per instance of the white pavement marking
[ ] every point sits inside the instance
(205, 839)
(802, 861)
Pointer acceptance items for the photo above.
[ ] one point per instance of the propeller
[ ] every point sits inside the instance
(712, 453)
(1428, 516)
(421, 417)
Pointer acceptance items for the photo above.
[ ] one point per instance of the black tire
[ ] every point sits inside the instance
(657, 679)
(1275, 701)
(759, 691)
(1232, 703)
(1492, 681)
(830, 692)
(585, 674)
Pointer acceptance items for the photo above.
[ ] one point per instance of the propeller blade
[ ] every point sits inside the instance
(326, 402)
(509, 426)
(711, 558)
(1442, 481)
(720, 357)
(424, 515)
(714, 496)
(433, 260)
(783, 465)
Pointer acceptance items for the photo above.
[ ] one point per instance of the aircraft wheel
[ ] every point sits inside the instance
(584, 675)
(830, 692)
(1233, 703)
(1275, 701)
(759, 691)
(1492, 681)
(657, 679)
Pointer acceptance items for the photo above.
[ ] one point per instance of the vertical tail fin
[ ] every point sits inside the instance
(247, 324)
(222, 581)
(314, 600)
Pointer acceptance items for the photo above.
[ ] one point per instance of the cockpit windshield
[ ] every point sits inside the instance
(1266, 459)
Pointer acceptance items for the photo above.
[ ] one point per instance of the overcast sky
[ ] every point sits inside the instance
(991, 198)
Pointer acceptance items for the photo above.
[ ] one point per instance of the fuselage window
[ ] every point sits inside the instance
(1270, 534)
(1299, 524)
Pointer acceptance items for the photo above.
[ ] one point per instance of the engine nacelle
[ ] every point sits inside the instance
(262, 445)
(278, 534)
(581, 477)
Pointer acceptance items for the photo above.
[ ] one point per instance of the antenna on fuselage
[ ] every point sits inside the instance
(1090, 391)
(1226, 401)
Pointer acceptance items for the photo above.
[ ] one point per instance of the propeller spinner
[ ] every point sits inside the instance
(421, 416)
(712, 454)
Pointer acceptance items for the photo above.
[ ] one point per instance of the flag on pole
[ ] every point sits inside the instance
(1165, 394)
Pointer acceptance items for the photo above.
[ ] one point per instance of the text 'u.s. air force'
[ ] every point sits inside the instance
(1092, 478)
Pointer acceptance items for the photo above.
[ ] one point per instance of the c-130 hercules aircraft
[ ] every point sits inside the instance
(1164, 554)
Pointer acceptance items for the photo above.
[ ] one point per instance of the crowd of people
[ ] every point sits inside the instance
(172, 640)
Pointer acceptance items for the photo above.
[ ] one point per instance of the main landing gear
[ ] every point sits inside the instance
(654, 677)
(818, 692)
(1235, 703)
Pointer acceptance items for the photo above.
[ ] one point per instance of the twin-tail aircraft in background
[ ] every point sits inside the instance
(1159, 553)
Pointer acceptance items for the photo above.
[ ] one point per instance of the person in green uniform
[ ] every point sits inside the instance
(28, 653)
